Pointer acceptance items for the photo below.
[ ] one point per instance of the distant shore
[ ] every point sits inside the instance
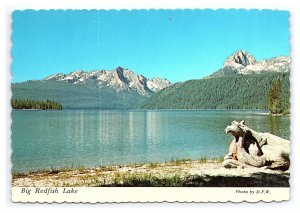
(180, 173)
(37, 109)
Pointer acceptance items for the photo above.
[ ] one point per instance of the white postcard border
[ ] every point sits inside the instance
(148, 194)
(6, 97)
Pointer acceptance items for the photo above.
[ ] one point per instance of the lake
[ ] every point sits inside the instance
(43, 140)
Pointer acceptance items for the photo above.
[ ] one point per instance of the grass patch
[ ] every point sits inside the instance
(178, 162)
(144, 180)
(186, 180)
(211, 160)
(153, 165)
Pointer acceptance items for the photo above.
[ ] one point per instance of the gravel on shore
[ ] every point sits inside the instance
(184, 173)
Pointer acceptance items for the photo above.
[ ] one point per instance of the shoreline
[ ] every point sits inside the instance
(37, 109)
(137, 109)
(181, 173)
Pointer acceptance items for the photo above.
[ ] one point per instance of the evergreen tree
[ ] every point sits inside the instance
(275, 104)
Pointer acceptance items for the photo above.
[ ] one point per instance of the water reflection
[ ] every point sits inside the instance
(42, 140)
(279, 126)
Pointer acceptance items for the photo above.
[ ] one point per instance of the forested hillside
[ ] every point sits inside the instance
(227, 92)
(76, 96)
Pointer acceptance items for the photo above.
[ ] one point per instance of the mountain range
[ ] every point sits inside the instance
(243, 63)
(120, 79)
(100, 89)
(232, 86)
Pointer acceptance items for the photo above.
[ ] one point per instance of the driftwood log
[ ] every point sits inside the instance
(251, 148)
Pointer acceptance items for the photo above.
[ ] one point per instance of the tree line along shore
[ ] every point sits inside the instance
(35, 104)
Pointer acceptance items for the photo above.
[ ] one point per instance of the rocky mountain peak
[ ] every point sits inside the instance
(120, 79)
(240, 58)
(242, 62)
(120, 69)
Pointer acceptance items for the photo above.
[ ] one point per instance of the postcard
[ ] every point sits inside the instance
(150, 106)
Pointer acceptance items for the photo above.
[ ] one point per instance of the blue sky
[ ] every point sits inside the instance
(175, 44)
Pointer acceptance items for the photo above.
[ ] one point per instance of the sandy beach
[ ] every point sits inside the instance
(189, 173)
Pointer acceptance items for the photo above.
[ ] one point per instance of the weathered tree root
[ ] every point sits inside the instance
(251, 148)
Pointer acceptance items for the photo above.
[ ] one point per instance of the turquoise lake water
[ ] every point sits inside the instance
(89, 138)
